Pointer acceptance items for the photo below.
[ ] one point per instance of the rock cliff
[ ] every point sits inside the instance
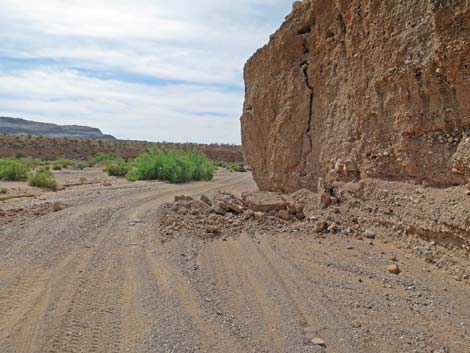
(352, 89)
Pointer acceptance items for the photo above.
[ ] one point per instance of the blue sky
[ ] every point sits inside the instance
(154, 70)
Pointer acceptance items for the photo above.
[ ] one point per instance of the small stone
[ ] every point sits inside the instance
(284, 214)
(259, 216)
(393, 269)
(206, 200)
(58, 206)
(300, 216)
(332, 228)
(320, 227)
(218, 210)
(325, 200)
(212, 230)
(248, 214)
(369, 234)
(318, 342)
(183, 198)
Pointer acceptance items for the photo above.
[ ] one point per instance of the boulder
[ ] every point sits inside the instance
(261, 201)
(179, 198)
(206, 200)
(382, 86)
(306, 201)
(229, 202)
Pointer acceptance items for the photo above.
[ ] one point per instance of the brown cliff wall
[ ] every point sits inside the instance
(384, 85)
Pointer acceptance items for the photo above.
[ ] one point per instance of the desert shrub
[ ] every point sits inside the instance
(42, 178)
(231, 166)
(80, 165)
(118, 169)
(3, 191)
(56, 167)
(103, 158)
(14, 170)
(64, 163)
(175, 166)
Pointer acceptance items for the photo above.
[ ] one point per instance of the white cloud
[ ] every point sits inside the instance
(177, 113)
(62, 49)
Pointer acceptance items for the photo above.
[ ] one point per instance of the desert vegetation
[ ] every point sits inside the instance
(35, 172)
(175, 166)
(103, 158)
(42, 178)
(118, 169)
(172, 165)
(14, 170)
(231, 166)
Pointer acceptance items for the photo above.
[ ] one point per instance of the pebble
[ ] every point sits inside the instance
(394, 269)
(213, 230)
(369, 234)
(318, 342)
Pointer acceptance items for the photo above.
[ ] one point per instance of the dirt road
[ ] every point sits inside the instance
(98, 277)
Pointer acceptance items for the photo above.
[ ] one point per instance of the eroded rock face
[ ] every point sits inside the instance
(383, 84)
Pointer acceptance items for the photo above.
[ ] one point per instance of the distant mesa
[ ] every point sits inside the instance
(16, 126)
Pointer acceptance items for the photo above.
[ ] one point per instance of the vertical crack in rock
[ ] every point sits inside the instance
(308, 131)
(341, 23)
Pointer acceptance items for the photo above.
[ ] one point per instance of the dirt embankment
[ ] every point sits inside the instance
(53, 148)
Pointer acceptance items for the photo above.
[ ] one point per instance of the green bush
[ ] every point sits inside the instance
(80, 165)
(103, 158)
(14, 170)
(64, 163)
(231, 166)
(42, 178)
(174, 166)
(118, 169)
(56, 167)
(3, 191)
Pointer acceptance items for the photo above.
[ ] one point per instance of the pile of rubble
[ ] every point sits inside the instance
(226, 214)
(432, 223)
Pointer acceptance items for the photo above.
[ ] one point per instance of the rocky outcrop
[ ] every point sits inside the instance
(15, 126)
(351, 89)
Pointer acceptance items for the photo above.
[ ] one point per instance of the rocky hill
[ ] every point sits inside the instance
(79, 148)
(353, 89)
(17, 126)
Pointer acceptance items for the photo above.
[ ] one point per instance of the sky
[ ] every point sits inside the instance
(155, 70)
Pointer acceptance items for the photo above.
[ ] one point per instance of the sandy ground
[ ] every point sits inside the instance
(93, 272)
